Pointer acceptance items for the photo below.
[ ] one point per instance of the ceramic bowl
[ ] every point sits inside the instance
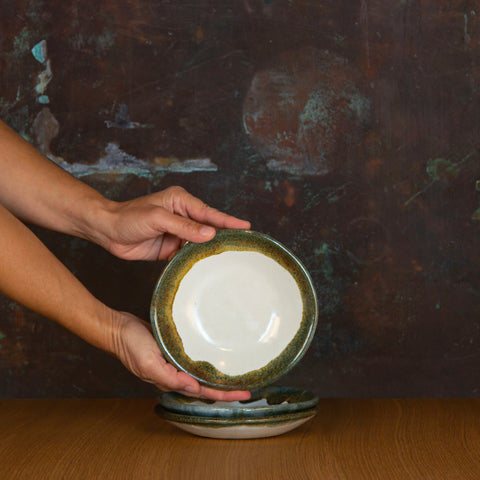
(236, 312)
(236, 428)
(264, 402)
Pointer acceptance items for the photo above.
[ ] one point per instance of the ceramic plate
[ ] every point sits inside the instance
(236, 312)
(264, 402)
(235, 428)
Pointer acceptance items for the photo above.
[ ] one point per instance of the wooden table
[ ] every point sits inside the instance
(348, 439)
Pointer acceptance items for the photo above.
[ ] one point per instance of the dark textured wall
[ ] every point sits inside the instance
(347, 130)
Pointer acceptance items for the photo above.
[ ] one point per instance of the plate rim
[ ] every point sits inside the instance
(169, 341)
(305, 399)
(231, 422)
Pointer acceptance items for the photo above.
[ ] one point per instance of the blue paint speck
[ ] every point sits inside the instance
(43, 99)
(39, 51)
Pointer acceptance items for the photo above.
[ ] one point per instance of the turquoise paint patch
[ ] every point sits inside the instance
(360, 105)
(2, 336)
(338, 193)
(43, 99)
(39, 51)
(325, 253)
(439, 168)
(318, 108)
(105, 40)
(101, 43)
(21, 43)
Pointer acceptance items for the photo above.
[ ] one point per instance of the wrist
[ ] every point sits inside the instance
(95, 221)
(103, 333)
(121, 327)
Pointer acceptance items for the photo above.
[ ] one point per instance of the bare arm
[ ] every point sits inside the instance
(151, 227)
(31, 275)
(147, 228)
(36, 190)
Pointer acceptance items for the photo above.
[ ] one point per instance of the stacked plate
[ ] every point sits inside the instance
(271, 411)
(236, 313)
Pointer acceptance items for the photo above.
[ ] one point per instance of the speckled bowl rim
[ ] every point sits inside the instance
(166, 287)
(233, 422)
(280, 400)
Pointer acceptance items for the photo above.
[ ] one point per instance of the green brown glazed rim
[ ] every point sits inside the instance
(233, 422)
(165, 290)
(278, 400)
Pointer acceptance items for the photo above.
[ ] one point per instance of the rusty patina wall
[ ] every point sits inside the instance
(347, 130)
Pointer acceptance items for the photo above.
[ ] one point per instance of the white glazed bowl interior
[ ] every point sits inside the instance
(236, 312)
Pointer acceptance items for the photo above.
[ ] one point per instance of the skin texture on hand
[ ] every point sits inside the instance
(136, 348)
(155, 226)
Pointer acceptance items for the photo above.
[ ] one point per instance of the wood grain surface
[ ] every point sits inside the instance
(349, 439)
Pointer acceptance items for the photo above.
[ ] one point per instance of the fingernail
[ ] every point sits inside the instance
(207, 231)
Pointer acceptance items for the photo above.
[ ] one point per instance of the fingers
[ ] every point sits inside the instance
(211, 216)
(182, 227)
(218, 395)
(185, 204)
(180, 214)
(219, 219)
(172, 380)
(139, 352)
(166, 378)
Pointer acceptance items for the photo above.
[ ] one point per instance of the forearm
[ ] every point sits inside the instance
(36, 190)
(31, 275)
(151, 227)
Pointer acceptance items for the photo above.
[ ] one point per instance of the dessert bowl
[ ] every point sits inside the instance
(237, 312)
(236, 428)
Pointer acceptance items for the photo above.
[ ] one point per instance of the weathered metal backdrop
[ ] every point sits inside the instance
(348, 130)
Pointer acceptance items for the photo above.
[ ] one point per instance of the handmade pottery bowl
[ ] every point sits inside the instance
(264, 402)
(237, 312)
(236, 428)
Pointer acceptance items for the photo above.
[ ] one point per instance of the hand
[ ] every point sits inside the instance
(136, 348)
(154, 227)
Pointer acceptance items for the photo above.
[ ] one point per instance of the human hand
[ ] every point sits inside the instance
(135, 347)
(154, 227)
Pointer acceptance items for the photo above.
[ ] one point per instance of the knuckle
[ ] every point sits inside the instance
(176, 190)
